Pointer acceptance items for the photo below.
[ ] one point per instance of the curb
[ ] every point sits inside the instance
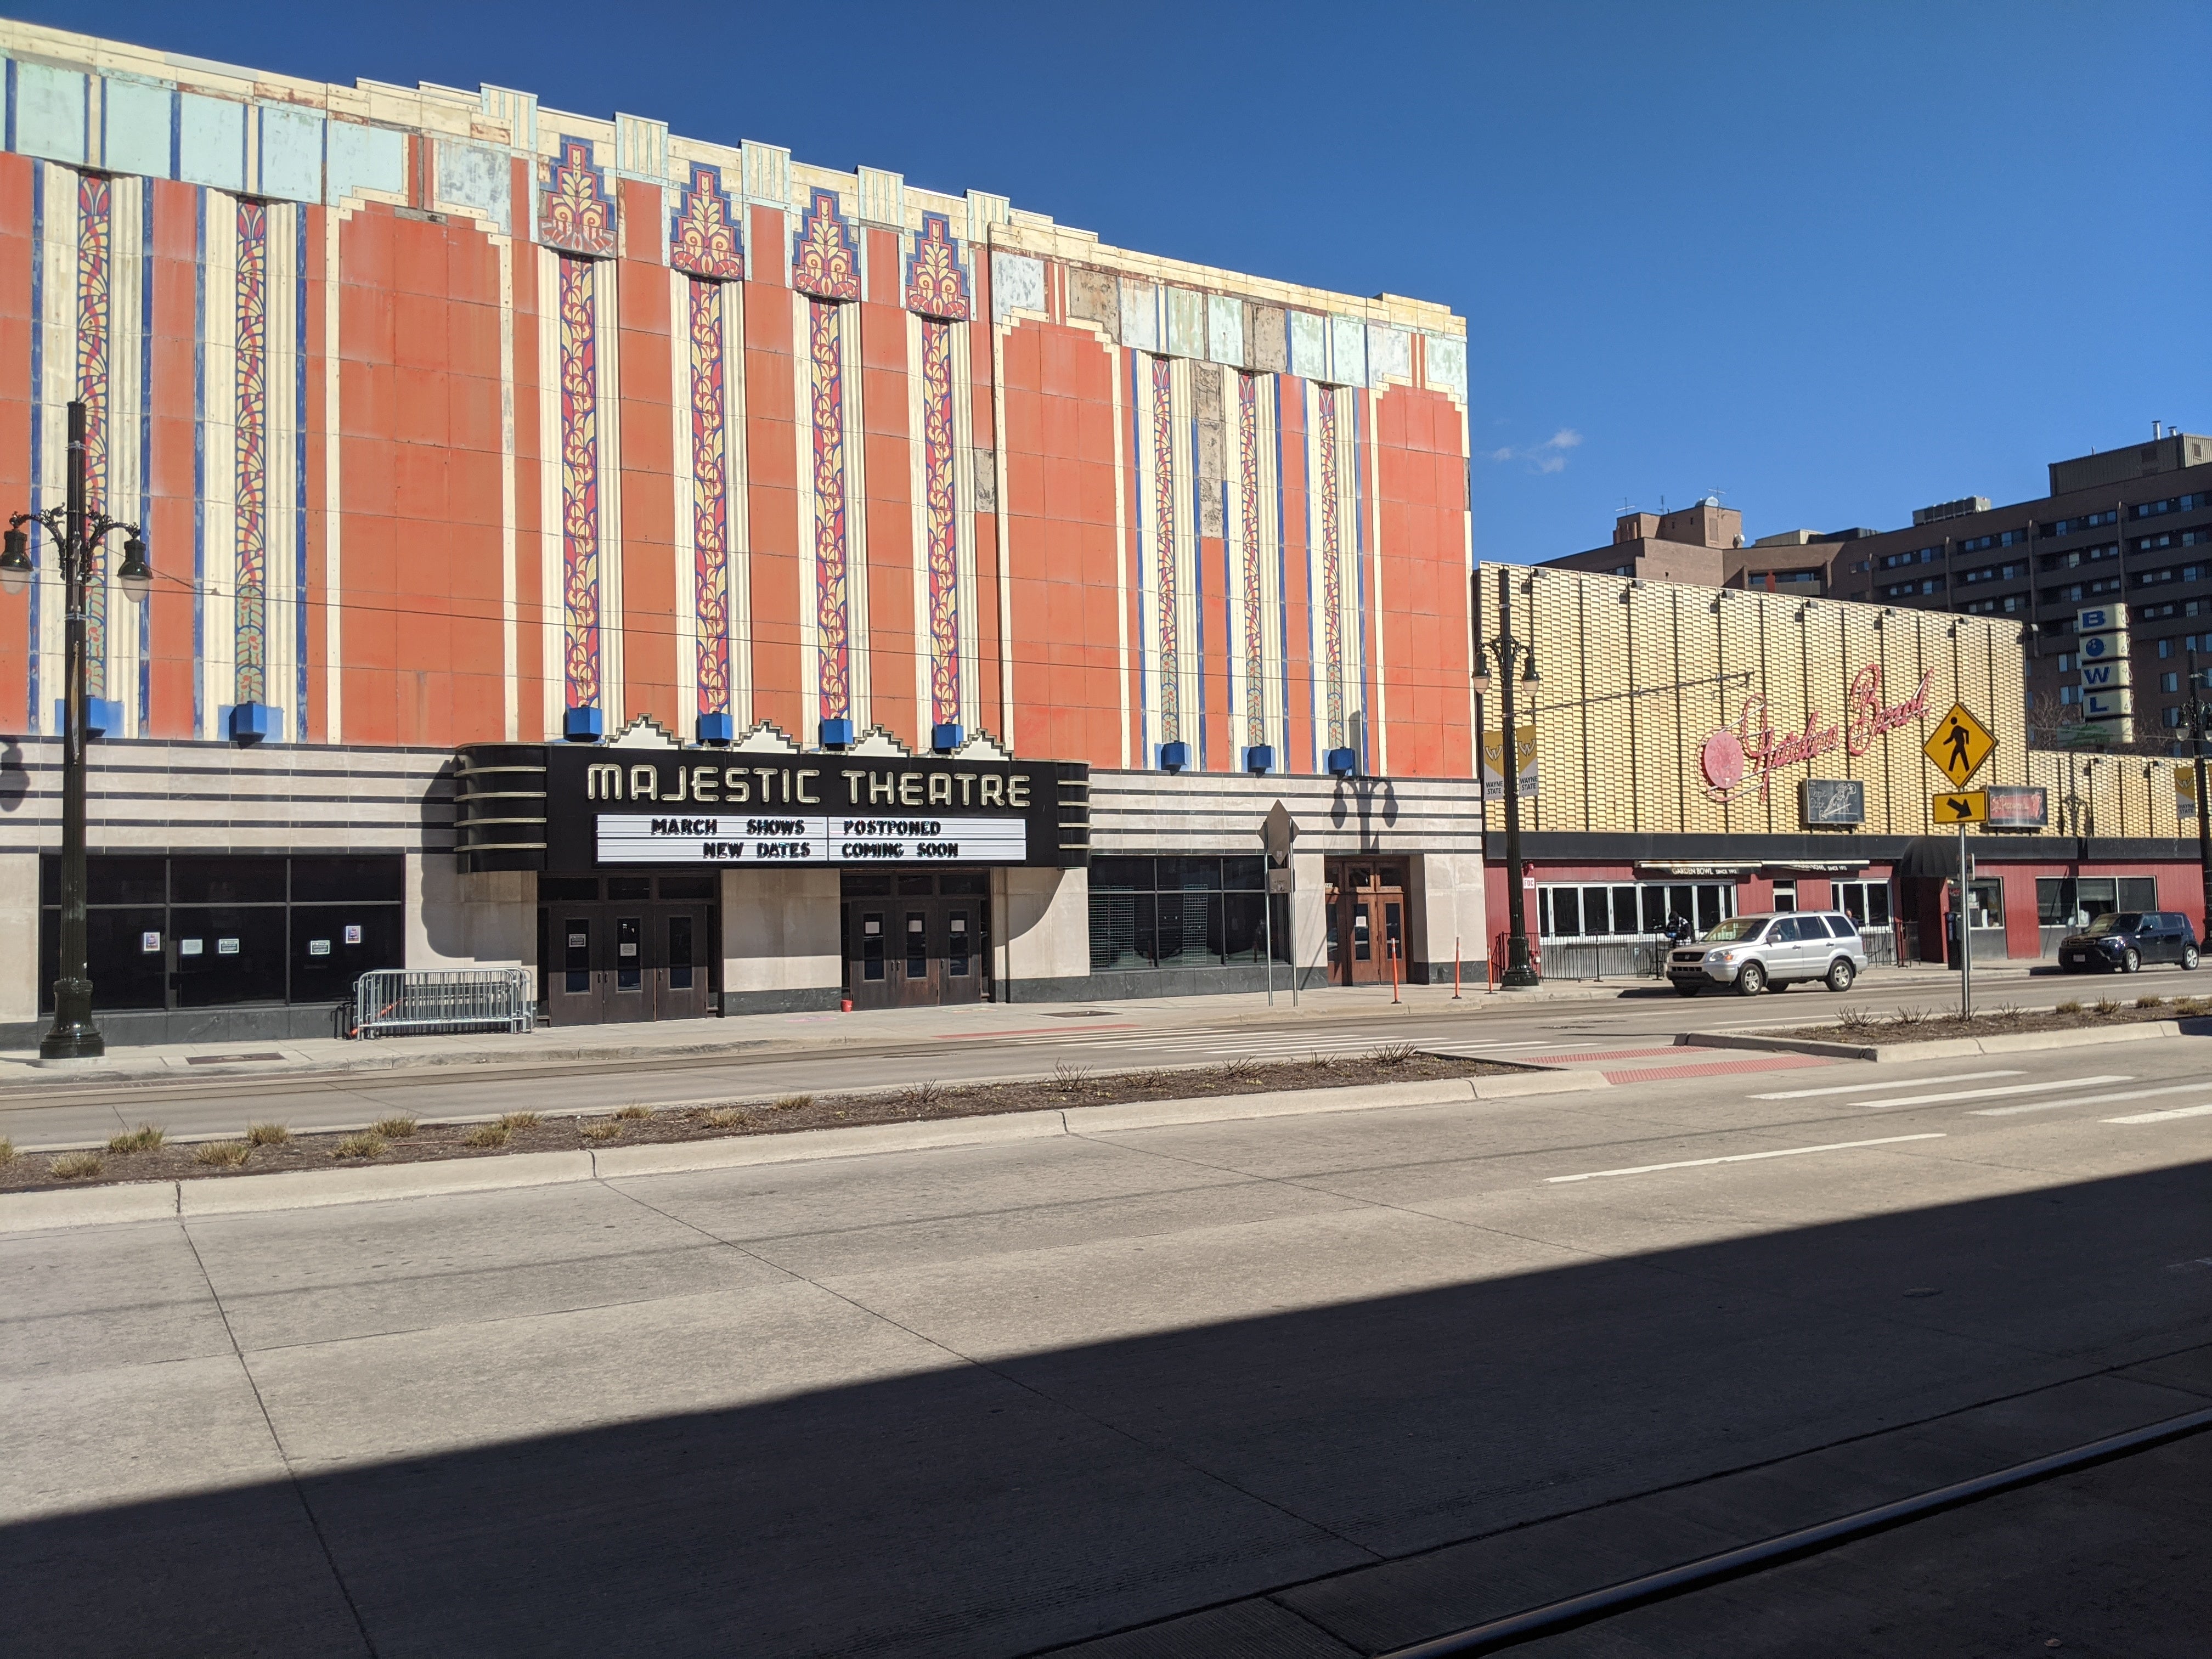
(1938, 1047)
(297, 1189)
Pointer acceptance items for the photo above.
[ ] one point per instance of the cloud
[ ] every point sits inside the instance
(1549, 456)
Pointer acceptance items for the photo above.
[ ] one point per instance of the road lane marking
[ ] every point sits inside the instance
(1876, 1088)
(2101, 1100)
(1740, 1157)
(2009, 1089)
(2161, 1117)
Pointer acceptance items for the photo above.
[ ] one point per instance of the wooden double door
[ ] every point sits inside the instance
(643, 949)
(917, 939)
(1366, 904)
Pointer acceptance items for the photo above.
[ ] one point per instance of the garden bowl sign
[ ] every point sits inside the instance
(1746, 756)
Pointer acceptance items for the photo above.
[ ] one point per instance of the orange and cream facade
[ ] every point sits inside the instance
(457, 424)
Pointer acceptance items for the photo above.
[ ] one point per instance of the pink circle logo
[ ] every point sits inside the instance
(1722, 759)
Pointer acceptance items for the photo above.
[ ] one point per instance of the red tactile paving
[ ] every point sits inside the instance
(1716, 1068)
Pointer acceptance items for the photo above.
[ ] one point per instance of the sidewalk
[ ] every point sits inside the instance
(770, 1033)
(801, 1033)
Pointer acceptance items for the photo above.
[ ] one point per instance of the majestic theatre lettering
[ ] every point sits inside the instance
(589, 807)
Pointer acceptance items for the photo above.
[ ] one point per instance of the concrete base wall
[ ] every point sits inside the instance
(453, 920)
(1042, 925)
(1162, 982)
(19, 937)
(1447, 903)
(782, 948)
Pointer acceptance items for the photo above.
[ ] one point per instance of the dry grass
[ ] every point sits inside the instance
(633, 1112)
(2071, 1006)
(222, 1154)
(1069, 1079)
(76, 1166)
(360, 1145)
(143, 1139)
(1242, 1069)
(723, 1117)
(2108, 1006)
(794, 1103)
(397, 1127)
(487, 1134)
(1393, 1053)
(2150, 1002)
(921, 1097)
(2010, 1013)
(599, 1131)
(267, 1135)
(1909, 1019)
(7, 1152)
(1854, 1019)
(519, 1121)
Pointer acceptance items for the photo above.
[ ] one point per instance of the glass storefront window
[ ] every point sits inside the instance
(209, 930)
(1575, 911)
(1185, 911)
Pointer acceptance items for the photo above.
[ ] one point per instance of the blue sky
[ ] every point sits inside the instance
(1835, 262)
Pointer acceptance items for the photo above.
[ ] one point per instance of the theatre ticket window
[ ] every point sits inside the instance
(219, 930)
(1584, 910)
(1191, 911)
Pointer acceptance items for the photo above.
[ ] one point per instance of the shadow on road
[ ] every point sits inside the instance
(993, 1510)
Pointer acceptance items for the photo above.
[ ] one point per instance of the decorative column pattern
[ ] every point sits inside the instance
(937, 292)
(580, 483)
(1164, 572)
(1328, 480)
(576, 221)
(703, 245)
(825, 267)
(250, 497)
(1248, 492)
(94, 300)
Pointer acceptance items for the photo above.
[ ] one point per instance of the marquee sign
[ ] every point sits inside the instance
(1736, 759)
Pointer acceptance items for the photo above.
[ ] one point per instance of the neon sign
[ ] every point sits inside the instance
(1735, 758)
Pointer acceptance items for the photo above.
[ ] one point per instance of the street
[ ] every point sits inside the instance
(773, 1054)
(1323, 1384)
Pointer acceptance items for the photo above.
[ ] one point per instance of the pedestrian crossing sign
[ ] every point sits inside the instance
(1959, 746)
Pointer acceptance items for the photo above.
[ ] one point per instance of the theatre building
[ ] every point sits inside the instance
(714, 583)
(1703, 751)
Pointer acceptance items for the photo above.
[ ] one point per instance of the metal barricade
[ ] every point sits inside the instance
(392, 1002)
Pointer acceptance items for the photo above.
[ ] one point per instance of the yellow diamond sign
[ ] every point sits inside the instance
(1960, 745)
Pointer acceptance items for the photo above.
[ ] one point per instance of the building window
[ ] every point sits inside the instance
(1184, 912)
(2169, 716)
(1866, 902)
(2069, 902)
(2069, 695)
(2169, 681)
(223, 929)
(1630, 909)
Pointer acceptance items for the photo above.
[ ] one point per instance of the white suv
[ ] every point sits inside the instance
(1775, 950)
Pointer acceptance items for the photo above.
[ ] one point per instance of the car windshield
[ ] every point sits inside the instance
(2117, 921)
(1736, 930)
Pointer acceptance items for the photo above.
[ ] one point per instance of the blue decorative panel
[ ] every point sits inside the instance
(837, 732)
(945, 736)
(583, 725)
(472, 176)
(138, 121)
(210, 141)
(717, 728)
(363, 158)
(1225, 330)
(1174, 757)
(291, 153)
(50, 106)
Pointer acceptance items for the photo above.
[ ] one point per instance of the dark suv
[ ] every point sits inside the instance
(2123, 940)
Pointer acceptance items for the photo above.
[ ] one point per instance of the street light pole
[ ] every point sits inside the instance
(78, 533)
(1520, 971)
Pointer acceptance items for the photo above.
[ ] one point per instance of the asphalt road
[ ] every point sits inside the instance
(1031, 1039)
(1319, 1385)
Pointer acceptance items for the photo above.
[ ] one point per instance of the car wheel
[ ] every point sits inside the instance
(1841, 973)
(2189, 958)
(1685, 990)
(1750, 979)
(2131, 961)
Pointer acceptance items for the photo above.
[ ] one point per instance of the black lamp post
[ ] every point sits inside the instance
(1520, 972)
(78, 535)
(2199, 713)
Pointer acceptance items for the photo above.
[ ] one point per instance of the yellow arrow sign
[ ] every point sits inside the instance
(1960, 806)
(1960, 745)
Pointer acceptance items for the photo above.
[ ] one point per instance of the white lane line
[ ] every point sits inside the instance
(2009, 1089)
(2161, 1117)
(2101, 1100)
(1740, 1157)
(1876, 1088)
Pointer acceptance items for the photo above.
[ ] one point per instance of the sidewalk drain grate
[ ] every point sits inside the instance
(226, 1059)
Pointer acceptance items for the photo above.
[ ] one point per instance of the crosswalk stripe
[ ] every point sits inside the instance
(2161, 1117)
(2010, 1089)
(1876, 1088)
(2101, 1100)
